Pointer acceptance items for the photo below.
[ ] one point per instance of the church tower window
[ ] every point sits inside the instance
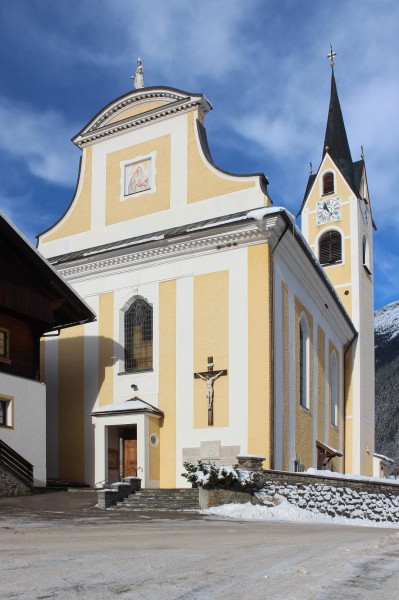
(303, 362)
(328, 183)
(330, 248)
(138, 336)
(366, 254)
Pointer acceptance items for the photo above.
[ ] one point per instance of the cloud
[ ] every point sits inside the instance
(39, 140)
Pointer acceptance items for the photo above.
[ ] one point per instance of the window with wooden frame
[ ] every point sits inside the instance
(138, 336)
(4, 343)
(328, 183)
(6, 411)
(304, 362)
(330, 248)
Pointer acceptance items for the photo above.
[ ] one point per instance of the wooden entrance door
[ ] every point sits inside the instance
(130, 458)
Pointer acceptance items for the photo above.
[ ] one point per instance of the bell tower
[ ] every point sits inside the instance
(338, 225)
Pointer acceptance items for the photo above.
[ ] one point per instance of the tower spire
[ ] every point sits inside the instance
(335, 140)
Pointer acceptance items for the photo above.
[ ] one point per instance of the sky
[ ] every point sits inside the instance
(261, 63)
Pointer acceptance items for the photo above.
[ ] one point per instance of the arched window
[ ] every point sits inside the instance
(334, 389)
(328, 183)
(303, 362)
(138, 336)
(330, 248)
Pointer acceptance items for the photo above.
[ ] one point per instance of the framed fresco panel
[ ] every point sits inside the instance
(137, 177)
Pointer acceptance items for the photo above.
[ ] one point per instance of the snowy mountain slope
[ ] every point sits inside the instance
(386, 321)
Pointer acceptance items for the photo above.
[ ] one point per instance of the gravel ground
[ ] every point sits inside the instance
(60, 546)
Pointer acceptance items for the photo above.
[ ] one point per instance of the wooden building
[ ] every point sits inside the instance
(34, 300)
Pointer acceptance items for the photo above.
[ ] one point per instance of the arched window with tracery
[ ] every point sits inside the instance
(330, 248)
(138, 336)
(328, 183)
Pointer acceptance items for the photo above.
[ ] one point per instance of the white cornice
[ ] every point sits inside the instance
(164, 250)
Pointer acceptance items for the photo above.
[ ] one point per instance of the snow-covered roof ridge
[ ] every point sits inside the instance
(131, 405)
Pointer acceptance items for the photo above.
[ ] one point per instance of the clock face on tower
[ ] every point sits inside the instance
(328, 210)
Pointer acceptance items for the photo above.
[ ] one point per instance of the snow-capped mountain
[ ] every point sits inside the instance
(386, 323)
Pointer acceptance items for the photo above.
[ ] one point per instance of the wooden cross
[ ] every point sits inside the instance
(331, 56)
(210, 377)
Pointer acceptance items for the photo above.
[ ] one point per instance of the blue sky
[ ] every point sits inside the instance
(261, 63)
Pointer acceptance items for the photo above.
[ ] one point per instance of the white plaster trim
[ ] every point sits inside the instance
(184, 371)
(278, 369)
(292, 384)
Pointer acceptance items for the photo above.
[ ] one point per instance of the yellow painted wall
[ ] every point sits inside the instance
(203, 182)
(146, 203)
(303, 417)
(137, 109)
(71, 404)
(167, 382)
(106, 348)
(78, 217)
(154, 451)
(259, 353)
(211, 338)
(321, 384)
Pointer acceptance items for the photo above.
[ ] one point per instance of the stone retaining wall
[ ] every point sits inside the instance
(210, 498)
(334, 497)
(11, 486)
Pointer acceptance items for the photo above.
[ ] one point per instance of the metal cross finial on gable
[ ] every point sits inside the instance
(331, 57)
(210, 377)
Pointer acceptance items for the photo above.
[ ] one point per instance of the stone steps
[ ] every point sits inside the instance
(161, 499)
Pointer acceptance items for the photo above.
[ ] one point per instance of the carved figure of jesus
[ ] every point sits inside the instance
(209, 386)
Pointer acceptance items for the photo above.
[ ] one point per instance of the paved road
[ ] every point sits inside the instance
(60, 546)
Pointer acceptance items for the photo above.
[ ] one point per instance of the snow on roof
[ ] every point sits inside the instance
(385, 458)
(128, 406)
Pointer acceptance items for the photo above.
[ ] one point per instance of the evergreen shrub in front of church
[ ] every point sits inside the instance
(208, 476)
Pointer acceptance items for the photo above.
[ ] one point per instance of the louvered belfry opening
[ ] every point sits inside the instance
(328, 183)
(330, 248)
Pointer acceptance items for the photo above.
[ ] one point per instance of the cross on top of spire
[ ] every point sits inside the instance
(331, 56)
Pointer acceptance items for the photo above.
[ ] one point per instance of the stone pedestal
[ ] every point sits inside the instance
(251, 462)
(107, 498)
(134, 482)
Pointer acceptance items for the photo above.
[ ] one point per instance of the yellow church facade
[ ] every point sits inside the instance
(218, 331)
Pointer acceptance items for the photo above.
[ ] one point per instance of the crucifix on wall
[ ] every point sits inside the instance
(210, 377)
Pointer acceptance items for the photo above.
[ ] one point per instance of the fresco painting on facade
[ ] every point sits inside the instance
(138, 177)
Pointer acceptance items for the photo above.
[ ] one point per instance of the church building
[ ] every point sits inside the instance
(222, 329)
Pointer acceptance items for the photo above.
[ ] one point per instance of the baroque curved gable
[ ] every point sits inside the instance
(138, 108)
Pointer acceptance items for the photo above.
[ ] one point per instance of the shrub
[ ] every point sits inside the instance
(209, 477)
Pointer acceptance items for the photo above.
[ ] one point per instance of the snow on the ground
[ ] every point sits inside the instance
(286, 512)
